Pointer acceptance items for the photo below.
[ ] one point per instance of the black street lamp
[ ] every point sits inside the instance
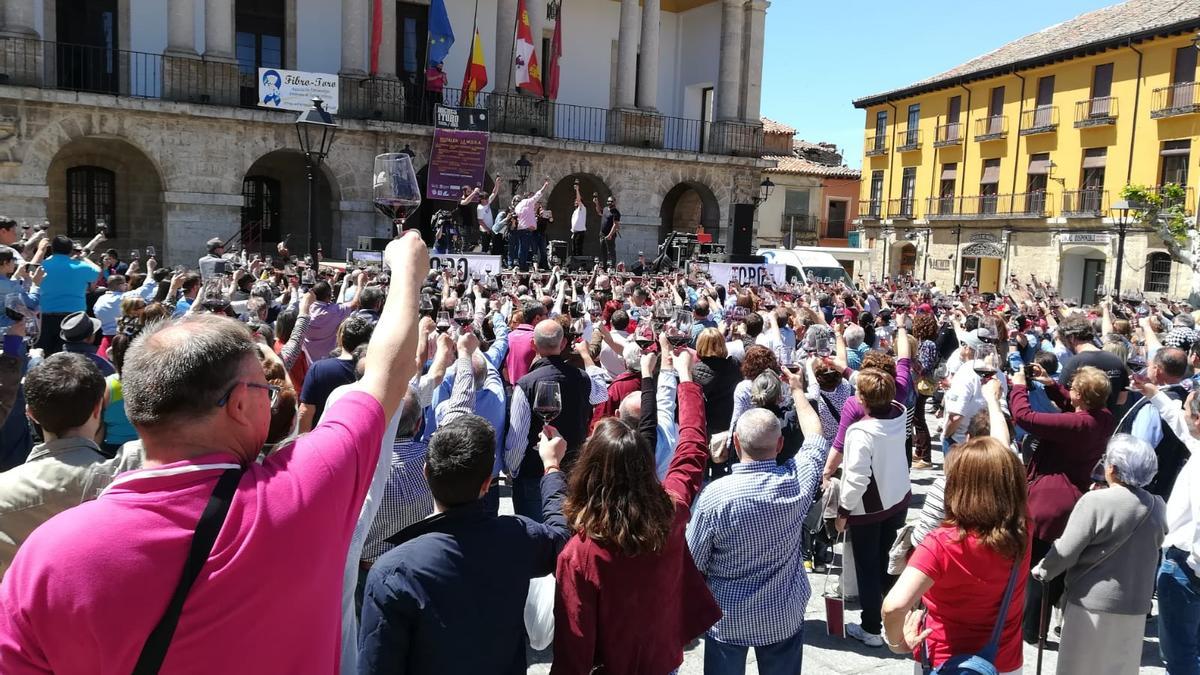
(765, 188)
(523, 166)
(1123, 207)
(315, 128)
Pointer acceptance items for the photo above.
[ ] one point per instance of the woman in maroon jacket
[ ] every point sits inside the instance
(629, 596)
(1068, 445)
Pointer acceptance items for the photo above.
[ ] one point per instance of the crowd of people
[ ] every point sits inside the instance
(275, 464)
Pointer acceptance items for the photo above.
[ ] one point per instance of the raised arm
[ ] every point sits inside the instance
(648, 423)
(686, 473)
(391, 356)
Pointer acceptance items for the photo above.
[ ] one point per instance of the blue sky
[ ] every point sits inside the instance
(821, 55)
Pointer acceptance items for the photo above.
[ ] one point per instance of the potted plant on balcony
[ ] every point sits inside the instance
(1165, 210)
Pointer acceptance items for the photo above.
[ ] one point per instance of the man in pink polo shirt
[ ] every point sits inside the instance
(88, 587)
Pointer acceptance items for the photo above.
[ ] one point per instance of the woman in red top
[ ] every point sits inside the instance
(1067, 448)
(629, 596)
(970, 556)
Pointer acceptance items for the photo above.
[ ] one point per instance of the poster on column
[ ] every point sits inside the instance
(294, 90)
(459, 157)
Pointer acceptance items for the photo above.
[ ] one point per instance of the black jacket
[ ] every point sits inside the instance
(450, 598)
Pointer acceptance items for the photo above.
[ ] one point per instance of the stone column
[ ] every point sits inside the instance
(218, 30)
(387, 46)
(729, 78)
(627, 51)
(648, 66)
(181, 28)
(756, 19)
(354, 38)
(506, 25)
(17, 19)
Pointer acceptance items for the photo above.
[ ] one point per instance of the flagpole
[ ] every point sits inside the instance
(512, 71)
(471, 54)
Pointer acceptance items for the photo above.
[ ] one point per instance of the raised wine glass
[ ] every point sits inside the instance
(644, 335)
(443, 321)
(547, 401)
(463, 316)
(985, 361)
(396, 190)
(679, 329)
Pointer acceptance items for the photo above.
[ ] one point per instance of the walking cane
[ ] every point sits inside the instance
(1043, 624)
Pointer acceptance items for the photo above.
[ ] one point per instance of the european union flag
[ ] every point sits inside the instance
(441, 34)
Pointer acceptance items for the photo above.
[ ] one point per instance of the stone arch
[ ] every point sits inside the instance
(690, 206)
(562, 205)
(136, 214)
(43, 148)
(287, 169)
(904, 257)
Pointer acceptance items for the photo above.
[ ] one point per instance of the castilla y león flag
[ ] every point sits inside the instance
(475, 78)
(527, 75)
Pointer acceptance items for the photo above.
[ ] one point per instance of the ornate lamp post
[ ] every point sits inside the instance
(315, 128)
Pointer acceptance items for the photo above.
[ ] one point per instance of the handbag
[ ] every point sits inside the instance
(154, 651)
(982, 663)
(835, 604)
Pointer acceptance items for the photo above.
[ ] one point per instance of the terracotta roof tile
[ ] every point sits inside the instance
(770, 126)
(1127, 19)
(798, 166)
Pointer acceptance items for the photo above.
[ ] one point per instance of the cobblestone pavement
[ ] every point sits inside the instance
(825, 654)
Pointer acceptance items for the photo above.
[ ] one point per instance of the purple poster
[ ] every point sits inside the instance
(459, 160)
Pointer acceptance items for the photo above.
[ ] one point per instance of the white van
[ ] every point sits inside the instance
(801, 263)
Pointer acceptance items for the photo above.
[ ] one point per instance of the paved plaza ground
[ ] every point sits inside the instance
(825, 654)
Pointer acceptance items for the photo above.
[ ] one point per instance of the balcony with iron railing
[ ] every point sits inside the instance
(1086, 203)
(1178, 99)
(983, 207)
(875, 145)
(903, 208)
(991, 128)
(123, 73)
(799, 229)
(1186, 201)
(870, 209)
(908, 140)
(1096, 112)
(1040, 120)
(946, 135)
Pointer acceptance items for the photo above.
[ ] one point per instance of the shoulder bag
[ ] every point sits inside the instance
(154, 651)
(982, 663)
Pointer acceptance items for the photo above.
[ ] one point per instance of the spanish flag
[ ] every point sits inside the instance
(475, 78)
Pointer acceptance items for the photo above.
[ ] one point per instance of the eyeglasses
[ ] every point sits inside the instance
(272, 389)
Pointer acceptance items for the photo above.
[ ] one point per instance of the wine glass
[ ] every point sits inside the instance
(443, 321)
(547, 401)
(662, 309)
(644, 335)
(396, 189)
(679, 329)
(463, 315)
(425, 308)
(985, 361)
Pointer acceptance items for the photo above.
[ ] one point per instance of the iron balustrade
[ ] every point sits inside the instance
(876, 144)
(991, 128)
(1178, 99)
(908, 139)
(1095, 112)
(100, 70)
(947, 134)
(1040, 120)
(1086, 203)
(902, 208)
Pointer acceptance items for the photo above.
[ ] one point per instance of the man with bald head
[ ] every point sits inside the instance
(109, 568)
(579, 392)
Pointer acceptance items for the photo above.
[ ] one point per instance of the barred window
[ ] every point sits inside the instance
(91, 197)
(260, 209)
(1158, 272)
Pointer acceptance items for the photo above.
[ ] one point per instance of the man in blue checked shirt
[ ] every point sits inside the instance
(745, 536)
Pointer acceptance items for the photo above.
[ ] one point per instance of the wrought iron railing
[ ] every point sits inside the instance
(991, 128)
(1180, 98)
(1086, 203)
(1186, 201)
(1040, 120)
(1019, 205)
(876, 144)
(870, 209)
(908, 139)
(903, 208)
(948, 134)
(53, 65)
(1095, 112)
(941, 207)
(799, 229)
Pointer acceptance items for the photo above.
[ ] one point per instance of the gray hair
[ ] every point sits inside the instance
(479, 370)
(176, 371)
(633, 356)
(1132, 458)
(854, 336)
(766, 389)
(758, 433)
(548, 337)
(411, 414)
(630, 410)
(1184, 319)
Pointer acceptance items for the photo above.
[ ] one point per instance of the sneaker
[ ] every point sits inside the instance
(921, 464)
(869, 639)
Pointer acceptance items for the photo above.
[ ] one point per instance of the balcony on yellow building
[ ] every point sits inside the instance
(992, 128)
(1178, 99)
(1187, 201)
(875, 146)
(988, 206)
(1041, 120)
(946, 135)
(870, 209)
(903, 208)
(1096, 112)
(1086, 203)
(908, 140)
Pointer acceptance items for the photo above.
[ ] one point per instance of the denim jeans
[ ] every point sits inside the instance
(526, 247)
(527, 494)
(1178, 615)
(781, 658)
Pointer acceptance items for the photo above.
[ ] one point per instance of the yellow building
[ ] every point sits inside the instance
(1012, 162)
